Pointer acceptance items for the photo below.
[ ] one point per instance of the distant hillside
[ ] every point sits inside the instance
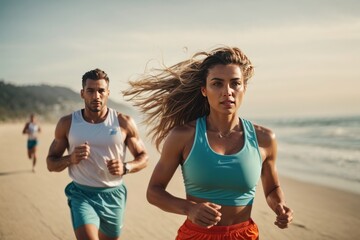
(49, 102)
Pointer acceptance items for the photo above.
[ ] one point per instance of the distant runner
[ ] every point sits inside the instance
(32, 129)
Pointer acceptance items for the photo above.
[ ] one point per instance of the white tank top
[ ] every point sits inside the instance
(105, 143)
(33, 128)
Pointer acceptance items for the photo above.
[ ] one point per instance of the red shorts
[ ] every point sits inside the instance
(242, 231)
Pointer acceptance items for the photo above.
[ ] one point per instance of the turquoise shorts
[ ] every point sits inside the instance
(102, 207)
(31, 143)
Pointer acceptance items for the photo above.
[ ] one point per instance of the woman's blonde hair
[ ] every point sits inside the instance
(171, 96)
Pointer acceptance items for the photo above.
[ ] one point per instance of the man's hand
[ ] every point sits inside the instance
(80, 153)
(115, 167)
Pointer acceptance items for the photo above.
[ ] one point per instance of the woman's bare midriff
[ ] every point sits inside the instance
(230, 215)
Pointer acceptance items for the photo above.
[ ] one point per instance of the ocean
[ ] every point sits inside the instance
(319, 150)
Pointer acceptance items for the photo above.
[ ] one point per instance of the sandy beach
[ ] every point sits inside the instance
(33, 205)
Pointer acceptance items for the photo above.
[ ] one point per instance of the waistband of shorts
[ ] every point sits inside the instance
(218, 229)
(97, 189)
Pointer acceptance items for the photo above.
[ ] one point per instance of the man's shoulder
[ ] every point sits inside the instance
(65, 119)
(122, 117)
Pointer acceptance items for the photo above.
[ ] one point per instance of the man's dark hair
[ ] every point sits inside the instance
(95, 74)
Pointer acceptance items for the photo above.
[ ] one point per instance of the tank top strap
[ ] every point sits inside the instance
(250, 133)
(201, 125)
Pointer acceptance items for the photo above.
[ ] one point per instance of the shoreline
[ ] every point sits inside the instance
(324, 181)
(34, 204)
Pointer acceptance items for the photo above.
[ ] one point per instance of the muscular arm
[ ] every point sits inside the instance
(55, 160)
(25, 130)
(274, 195)
(162, 174)
(205, 214)
(134, 143)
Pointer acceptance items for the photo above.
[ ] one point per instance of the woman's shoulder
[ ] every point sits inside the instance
(180, 138)
(182, 134)
(265, 135)
(183, 130)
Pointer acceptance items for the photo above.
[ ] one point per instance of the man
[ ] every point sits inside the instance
(31, 128)
(96, 138)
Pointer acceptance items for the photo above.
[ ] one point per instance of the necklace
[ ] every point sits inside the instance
(220, 135)
(225, 135)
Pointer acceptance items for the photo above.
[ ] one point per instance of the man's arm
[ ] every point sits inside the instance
(134, 143)
(55, 160)
(25, 130)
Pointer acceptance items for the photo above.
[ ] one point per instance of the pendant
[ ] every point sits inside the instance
(224, 135)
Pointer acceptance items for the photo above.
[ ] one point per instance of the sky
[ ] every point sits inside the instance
(306, 53)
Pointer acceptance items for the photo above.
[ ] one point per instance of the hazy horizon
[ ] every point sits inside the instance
(306, 54)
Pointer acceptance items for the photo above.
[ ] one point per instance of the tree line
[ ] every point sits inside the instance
(49, 102)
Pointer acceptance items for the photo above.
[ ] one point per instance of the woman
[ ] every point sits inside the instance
(193, 107)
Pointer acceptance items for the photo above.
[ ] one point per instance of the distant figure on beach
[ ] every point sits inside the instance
(193, 109)
(96, 138)
(32, 128)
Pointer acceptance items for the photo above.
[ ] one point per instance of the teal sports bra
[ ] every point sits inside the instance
(228, 180)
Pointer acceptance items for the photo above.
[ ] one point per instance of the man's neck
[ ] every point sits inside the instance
(95, 117)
